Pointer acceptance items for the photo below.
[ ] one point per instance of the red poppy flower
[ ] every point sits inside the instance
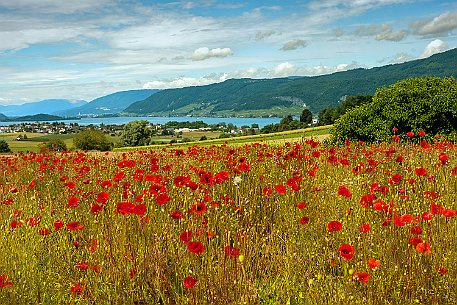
(373, 263)
(75, 225)
(363, 277)
(73, 201)
(176, 215)
(4, 281)
(344, 191)
(441, 270)
(267, 191)
(199, 208)
(347, 251)
(444, 158)
(394, 130)
(139, 209)
(189, 282)
(395, 139)
(102, 197)
(125, 207)
(416, 230)
(421, 172)
(162, 199)
(44, 231)
(82, 265)
(334, 226)
(410, 134)
(304, 220)
(365, 228)
(231, 251)
(196, 247)
(280, 189)
(77, 288)
(423, 248)
(58, 224)
(301, 205)
(421, 133)
(186, 236)
(414, 241)
(395, 179)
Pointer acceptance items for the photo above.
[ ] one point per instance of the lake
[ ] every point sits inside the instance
(162, 120)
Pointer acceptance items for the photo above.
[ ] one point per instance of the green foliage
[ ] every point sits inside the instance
(55, 144)
(4, 147)
(136, 133)
(415, 104)
(91, 139)
(306, 116)
(328, 116)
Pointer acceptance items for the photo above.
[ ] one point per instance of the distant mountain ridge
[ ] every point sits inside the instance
(44, 106)
(108, 104)
(248, 96)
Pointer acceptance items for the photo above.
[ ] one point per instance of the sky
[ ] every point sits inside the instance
(84, 49)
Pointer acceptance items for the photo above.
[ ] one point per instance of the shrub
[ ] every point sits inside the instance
(4, 147)
(91, 139)
(424, 103)
(55, 144)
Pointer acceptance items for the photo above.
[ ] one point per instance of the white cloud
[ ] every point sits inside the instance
(381, 32)
(53, 6)
(401, 57)
(436, 46)
(284, 69)
(182, 82)
(440, 25)
(294, 44)
(262, 35)
(206, 53)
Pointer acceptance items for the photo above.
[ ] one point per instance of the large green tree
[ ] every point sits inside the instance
(415, 104)
(91, 139)
(136, 133)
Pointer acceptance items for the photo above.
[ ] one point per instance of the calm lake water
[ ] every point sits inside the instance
(162, 120)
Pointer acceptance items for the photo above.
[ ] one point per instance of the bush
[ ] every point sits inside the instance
(4, 147)
(55, 144)
(424, 103)
(91, 139)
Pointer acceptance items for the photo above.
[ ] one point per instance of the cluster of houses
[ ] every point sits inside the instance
(56, 128)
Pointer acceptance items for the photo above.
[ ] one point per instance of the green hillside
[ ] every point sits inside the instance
(287, 95)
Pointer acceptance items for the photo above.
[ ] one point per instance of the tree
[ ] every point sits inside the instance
(306, 116)
(417, 104)
(55, 144)
(91, 139)
(4, 147)
(136, 133)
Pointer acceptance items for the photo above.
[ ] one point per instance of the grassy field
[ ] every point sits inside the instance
(291, 223)
(321, 132)
(35, 140)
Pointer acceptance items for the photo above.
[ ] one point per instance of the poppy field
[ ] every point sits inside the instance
(296, 223)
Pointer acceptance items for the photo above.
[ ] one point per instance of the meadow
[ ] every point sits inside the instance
(296, 222)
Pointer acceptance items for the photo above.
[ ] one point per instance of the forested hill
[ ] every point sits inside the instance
(270, 96)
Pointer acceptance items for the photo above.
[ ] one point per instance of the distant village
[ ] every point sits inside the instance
(113, 130)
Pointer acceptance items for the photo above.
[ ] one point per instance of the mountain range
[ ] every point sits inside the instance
(281, 96)
(246, 97)
(109, 104)
(45, 106)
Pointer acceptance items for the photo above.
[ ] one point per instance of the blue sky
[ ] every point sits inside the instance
(86, 49)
